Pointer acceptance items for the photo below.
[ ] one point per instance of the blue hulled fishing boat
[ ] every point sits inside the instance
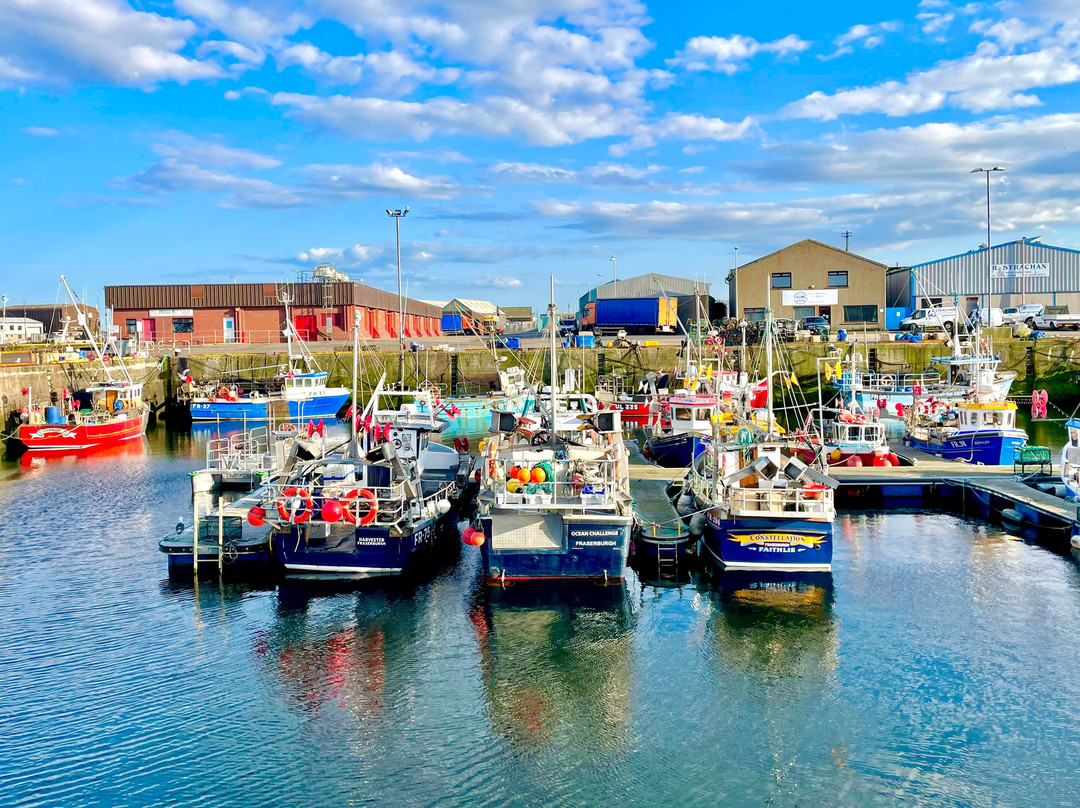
(554, 497)
(377, 506)
(764, 508)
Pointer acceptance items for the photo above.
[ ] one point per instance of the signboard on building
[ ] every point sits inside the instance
(810, 297)
(172, 313)
(1019, 270)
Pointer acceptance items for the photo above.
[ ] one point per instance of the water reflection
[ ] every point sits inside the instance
(93, 455)
(556, 663)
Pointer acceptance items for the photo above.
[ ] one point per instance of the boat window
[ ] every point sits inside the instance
(702, 415)
(855, 433)
(682, 413)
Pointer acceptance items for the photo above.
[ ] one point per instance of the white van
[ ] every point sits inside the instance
(990, 318)
(1020, 314)
(932, 319)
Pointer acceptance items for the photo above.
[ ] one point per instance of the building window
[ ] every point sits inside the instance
(754, 315)
(183, 325)
(802, 312)
(860, 314)
(131, 327)
(838, 278)
(782, 280)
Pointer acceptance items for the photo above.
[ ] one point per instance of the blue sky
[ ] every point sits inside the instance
(185, 141)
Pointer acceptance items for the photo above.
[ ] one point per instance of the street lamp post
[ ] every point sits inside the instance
(614, 271)
(397, 216)
(3, 328)
(989, 279)
(735, 294)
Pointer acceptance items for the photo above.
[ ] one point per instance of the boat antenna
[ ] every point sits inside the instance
(552, 325)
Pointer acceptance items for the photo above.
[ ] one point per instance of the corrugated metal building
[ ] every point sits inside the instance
(651, 284)
(53, 316)
(253, 312)
(476, 310)
(519, 318)
(1024, 271)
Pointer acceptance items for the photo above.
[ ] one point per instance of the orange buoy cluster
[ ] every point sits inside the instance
(524, 474)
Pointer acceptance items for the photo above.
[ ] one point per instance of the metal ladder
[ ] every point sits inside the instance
(667, 562)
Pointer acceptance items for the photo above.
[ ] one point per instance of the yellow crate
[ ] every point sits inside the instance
(650, 343)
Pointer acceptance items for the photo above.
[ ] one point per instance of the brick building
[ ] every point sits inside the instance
(206, 314)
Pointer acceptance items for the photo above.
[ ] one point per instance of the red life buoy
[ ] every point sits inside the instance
(372, 507)
(289, 427)
(295, 516)
(814, 490)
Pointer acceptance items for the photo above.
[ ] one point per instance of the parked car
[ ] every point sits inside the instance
(819, 326)
(990, 318)
(945, 317)
(1054, 318)
(1020, 314)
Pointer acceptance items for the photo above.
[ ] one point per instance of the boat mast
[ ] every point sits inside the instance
(552, 326)
(355, 401)
(285, 298)
(768, 356)
(81, 318)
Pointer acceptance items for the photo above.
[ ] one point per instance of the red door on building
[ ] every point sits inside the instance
(306, 326)
(149, 330)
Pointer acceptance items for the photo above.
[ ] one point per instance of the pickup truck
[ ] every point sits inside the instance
(1054, 318)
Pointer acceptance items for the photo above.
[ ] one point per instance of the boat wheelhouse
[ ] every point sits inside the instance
(686, 432)
(1070, 458)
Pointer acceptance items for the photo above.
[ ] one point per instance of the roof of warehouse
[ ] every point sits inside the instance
(1028, 242)
(478, 306)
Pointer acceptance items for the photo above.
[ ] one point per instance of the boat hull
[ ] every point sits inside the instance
(784, 545)
(676, 451)
(69, 437)
(372, 552)
(247, 410)
(986, 448)
(594, 547)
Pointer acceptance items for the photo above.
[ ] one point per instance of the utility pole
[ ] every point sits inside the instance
(397, 216)
(847, 236)
(989, 271)
(614, 271)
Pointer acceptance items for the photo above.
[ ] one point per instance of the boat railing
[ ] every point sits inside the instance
(786, 499)
(394, 503)
(588, 481)
(247, 451)
(892, 381)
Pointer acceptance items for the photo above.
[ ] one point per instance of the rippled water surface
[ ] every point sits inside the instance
(938, 666)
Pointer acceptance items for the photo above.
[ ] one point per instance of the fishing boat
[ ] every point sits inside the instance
(385, 502)
(640, 408)
(952, 378)
(765, 508)
(301, 393)
(108, 412)
(1070, 458)
(980, 430)
(554, 498)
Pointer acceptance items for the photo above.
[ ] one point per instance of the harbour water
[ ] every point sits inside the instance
(935, 666)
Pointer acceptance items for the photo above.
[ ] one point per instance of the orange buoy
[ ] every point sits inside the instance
(257, 516)
(524, 475)
(538, 475)
(514, 470)
(332, 511)
(472, 537)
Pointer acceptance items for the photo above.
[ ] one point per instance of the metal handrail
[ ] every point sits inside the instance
(560, 491)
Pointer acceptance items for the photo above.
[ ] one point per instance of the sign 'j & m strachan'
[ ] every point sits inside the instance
(810, 297)
(1019, 270)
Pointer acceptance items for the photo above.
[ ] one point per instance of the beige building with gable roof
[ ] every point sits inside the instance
(811, 279)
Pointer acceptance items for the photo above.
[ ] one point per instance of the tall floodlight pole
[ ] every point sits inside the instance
(614, 271)
(397, 216)
(989, 279)
(3, 329)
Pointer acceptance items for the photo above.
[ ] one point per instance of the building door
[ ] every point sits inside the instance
(228, 329)
(972, 304)
(149, 330)
(306, 326)
(826, 312)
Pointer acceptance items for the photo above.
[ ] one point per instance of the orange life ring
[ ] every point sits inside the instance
(346, 506)
(858, 419)
(814, 490)
(288, 427)
(223, 392)
(295, 516)
(373, 507)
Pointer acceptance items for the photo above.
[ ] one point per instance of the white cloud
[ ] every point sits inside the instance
(865, 36)
(62, 41)
(40, 131)
(984, 81)
(188, 149)
(252, 57)
(683, 126)
(265, 25)
(339, 69)
(17, 181)
(380, 178)
(728, 54)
